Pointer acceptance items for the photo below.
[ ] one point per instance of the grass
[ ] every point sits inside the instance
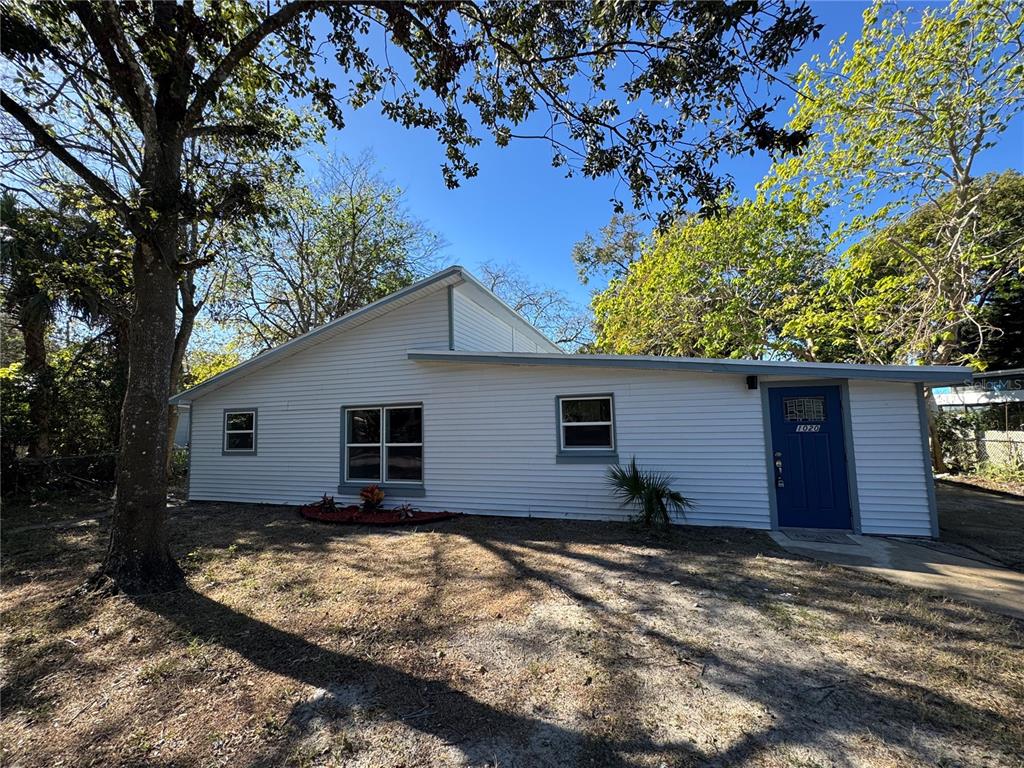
(491, 642)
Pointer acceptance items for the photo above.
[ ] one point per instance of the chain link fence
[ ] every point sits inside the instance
(983, 439)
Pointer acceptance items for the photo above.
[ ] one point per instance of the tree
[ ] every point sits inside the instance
(550, 310)
(718, 287)
(208, 361)
(58, 265)
(26, 252)
(899, 121)
(116, 92)
(1004, 349)
(878, 306)
(617, 250)
(329, 251)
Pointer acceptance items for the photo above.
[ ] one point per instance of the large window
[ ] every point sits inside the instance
(240, 431)
(586, 423)
(384, 444)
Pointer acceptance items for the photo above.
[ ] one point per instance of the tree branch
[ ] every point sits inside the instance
(275, 22)
(126, 78)
(51, 144)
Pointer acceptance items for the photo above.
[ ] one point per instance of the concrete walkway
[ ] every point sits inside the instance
(984, 584)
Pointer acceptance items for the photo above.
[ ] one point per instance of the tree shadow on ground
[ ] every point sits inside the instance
(806, 705)
(479, 730)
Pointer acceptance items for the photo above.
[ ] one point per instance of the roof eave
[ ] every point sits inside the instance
(931, 375)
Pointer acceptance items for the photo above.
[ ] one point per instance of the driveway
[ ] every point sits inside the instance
(977, 558)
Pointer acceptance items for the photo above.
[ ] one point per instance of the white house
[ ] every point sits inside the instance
(448, 399)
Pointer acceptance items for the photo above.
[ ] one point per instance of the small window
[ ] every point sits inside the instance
(384, 444)
(240, 431)
(586, 423)
(804, 408)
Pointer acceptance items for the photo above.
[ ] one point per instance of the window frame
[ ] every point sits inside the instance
(225, 451)
(585, 454)
(354, 483)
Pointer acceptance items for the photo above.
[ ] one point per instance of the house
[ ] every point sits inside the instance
(448, 399)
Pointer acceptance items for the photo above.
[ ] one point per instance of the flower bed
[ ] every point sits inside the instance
(326, 511)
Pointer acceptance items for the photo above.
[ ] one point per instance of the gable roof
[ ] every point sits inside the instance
(450, 276)
(925, 374)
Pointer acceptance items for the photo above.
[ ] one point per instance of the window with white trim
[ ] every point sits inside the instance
(240, 431)
(586, 423)
(384, 444)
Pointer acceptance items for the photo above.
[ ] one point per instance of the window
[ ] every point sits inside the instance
(384, 444)
(240, 431)
(804, 408)
(585, 423)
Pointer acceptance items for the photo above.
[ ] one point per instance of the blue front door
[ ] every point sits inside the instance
(809, 457)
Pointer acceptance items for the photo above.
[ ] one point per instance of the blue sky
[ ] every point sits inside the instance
(519, 209)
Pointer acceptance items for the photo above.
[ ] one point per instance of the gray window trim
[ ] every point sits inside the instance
(585, 455)
(224, 431)
(851, 459)
(400, 490)
(409, 488)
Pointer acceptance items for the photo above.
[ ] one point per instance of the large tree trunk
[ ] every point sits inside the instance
(138, 557)
(120, 330)
(40, 374)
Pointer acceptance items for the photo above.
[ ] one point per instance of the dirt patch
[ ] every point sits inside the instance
(486, 641)
(986, 484)
(987, 523)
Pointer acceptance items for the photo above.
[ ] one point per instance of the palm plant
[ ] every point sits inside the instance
(649, 493)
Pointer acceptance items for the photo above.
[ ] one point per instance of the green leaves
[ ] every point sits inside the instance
(648, 492)
(899, 121)
(899, 116)
(720, 287)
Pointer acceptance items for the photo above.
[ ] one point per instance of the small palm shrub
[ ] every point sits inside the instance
(649, 493)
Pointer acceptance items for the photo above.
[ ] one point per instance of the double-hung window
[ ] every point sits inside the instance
(384, 444)
(586, 423)
(240, 431)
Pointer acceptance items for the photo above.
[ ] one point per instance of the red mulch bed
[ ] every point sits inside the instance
(354, 515)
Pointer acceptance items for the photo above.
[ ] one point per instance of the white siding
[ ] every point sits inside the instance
(521, 342)
(299, 400)
(489, 431)
(482, 323)
(891, 479)
(477, 329)
(491, 440)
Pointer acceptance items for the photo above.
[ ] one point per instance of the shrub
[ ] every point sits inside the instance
(372, 497)
(649, 493)
(958, 436)
(179, 463)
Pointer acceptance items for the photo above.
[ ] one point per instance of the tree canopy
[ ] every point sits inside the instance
(166, 113)
(329, 248)
(877, 244)
(718, 287)
(876, 305)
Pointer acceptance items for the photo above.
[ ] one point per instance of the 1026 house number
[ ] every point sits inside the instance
(808, 427)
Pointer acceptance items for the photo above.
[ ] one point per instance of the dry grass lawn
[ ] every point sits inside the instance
(491, 642)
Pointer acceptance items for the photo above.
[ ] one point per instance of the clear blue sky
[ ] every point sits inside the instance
(519, 209)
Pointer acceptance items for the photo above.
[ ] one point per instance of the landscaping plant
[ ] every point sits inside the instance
(649, 493)
(372, 497)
